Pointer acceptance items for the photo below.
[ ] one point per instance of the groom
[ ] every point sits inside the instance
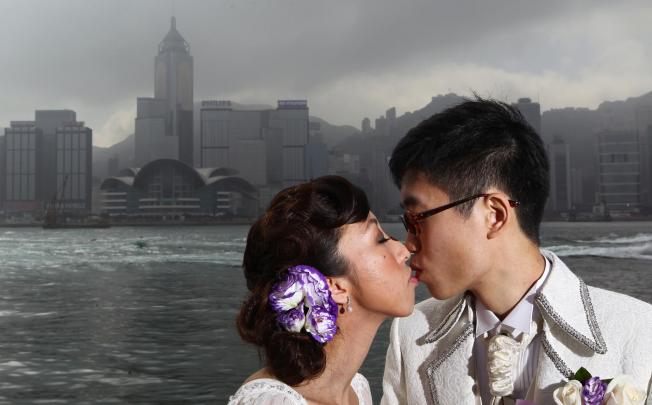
(509, 321)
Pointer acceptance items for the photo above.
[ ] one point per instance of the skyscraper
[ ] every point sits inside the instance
(531, 112)
(366, 125)
(291, 118)
(48, 121)
(644, 128)
(169, 113)
(153, 140)
(619, 170)
(264, 146)
(3, 168)
(39, 156)
(23, 168)
(560, 176)
(74, 167)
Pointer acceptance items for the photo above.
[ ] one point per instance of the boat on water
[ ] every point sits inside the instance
(54, 215)
(76, 225)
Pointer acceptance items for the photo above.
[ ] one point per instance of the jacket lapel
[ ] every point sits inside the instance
(570, 331)
(450, 373)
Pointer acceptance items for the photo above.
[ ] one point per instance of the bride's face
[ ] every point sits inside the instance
(380, 277)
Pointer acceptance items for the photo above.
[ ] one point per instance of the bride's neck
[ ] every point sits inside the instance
(344, 357)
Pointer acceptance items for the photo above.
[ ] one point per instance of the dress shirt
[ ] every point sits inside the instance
(522, 323)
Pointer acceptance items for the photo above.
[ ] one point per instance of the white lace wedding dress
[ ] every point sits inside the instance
(266, 391)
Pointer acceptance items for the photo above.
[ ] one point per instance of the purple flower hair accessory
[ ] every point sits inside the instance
(593, 391)
(320, 323)
(293, 320)
(302, 300)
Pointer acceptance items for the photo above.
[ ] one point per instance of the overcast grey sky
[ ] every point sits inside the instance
(349, 58)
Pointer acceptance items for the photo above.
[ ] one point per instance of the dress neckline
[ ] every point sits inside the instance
(267, 383)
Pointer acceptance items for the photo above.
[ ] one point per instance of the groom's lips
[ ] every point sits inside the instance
(416, 272)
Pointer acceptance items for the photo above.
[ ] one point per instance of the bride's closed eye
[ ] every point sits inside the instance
(387, 239)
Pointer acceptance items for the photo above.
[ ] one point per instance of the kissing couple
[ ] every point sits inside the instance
(508, 322)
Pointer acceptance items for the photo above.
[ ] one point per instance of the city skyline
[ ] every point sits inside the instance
(349, 60)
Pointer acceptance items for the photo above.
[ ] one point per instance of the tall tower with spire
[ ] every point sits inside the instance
(174, 82)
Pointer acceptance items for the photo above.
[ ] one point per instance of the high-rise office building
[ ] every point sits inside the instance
(385, 196)
(174, 83)
(577, 188)
(646, 152)
(381, 126)
(390, 114)
(23, 169)
(316, 156)
(560, 176)
(264, 146)
(234, 139)
(531, 112)
(644, 128)
(366, 125)
(48, 121)
(164, 124)
(39, 156)
(3, 168)
(153, 140)
(619, 171)
(291, 118)
(343, 164)
(214, 133)
(74, 157)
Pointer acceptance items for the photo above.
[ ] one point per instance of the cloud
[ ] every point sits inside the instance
(349, 59)
(117, 127)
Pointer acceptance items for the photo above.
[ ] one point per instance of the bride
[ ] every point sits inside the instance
(322, 276)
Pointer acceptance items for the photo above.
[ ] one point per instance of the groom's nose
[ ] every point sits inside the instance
(412, 243)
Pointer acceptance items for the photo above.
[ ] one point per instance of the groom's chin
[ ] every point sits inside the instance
(439, 293)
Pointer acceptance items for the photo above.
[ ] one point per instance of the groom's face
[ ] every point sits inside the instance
(449, 248)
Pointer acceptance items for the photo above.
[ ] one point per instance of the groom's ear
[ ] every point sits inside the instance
(498, 214)
(339, 289)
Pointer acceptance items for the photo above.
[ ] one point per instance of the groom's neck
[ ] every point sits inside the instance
(511, 273)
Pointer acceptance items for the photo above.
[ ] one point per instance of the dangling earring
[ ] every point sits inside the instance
(348, 304)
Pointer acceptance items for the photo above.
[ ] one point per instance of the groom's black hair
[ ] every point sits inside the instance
(474, 145)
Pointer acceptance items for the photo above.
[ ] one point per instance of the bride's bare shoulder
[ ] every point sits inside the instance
(262, 373)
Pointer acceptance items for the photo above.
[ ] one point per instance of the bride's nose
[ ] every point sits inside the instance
(403, 254)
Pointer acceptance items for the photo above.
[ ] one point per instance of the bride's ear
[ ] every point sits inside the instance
(339, 289)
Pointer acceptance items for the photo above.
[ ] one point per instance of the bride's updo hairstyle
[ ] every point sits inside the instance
(302, 226)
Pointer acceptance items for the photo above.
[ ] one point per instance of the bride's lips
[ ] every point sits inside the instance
(415, 274)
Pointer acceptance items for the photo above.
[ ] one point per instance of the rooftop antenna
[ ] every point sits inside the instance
(172, 9)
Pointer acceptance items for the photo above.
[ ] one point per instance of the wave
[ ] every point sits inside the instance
(614, 239)
(112, 262)
(640, 251)
(26, 314)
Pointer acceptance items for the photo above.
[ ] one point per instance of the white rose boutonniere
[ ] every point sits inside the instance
(584, 389)
(569, 394)
(622, 391)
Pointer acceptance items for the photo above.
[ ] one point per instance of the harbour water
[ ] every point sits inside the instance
(146, 315)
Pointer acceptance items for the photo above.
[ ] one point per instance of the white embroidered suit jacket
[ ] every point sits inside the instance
(430, 357)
